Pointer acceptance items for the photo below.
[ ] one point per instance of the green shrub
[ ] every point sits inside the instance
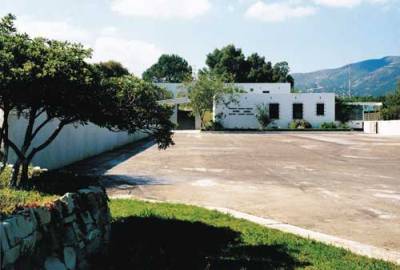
(213, 126)
(329, 125)
(263, 116)
(299, 124)
(344, 126)
(5, 177)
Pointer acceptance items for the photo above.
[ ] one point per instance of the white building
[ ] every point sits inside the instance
(283, 105)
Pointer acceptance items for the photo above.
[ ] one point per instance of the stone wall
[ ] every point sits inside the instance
(63, 235)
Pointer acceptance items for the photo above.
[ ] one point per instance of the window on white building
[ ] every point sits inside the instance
(274, 110)
(320, 109)
(298, 111)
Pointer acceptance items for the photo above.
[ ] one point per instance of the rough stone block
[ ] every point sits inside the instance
(70, 258)
(11, 255)
(70, 236)
(94, 234)
(96, 190)
(28, 244)
(25, 225)
(58, 238)
(69, 201)
(10, 227)
(4, 246)
(43, 214)
(69, 219)
(53, 263)
(85, 191)
(86, 217)
(79, 234)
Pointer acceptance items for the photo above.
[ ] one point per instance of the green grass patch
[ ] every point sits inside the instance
(44, 187)
(172, 236)
(10, 199)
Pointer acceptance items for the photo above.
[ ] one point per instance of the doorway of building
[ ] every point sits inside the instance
(186, 121)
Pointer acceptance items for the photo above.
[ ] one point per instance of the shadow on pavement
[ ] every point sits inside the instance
(155, 243)
(100, 164)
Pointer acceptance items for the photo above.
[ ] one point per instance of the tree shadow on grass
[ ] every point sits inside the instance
(155, 243)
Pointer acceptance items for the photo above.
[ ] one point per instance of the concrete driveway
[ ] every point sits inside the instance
(343, 184)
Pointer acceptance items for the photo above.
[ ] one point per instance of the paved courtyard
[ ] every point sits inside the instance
(344, 184)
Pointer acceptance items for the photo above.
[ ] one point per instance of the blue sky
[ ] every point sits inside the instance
(309, 34)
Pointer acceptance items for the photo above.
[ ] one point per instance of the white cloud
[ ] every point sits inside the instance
(60, 30)
(161, 9)
(348, 3)
(278, 11)
(136, 55)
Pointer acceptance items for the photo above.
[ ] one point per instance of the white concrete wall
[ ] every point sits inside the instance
(174, 116)
(382, 127)
(72, 144)
(247, 104)
(256, 88)
(260, 88)
(370, 127)
(389, 127)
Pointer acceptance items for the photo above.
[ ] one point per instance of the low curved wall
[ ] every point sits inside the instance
(64, 235)
(74, 143)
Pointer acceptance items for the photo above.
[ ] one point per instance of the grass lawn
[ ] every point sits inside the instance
(10, 199)
(171, 236)
(45, 188)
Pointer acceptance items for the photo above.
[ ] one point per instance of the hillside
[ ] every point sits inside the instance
(373, 77)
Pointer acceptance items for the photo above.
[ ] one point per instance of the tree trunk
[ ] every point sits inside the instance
(24, 174)
(15, 174)
(4, 134)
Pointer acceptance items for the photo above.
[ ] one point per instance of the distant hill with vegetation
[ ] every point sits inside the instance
(375, 77)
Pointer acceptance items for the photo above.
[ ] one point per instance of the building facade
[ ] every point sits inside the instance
(283, 106)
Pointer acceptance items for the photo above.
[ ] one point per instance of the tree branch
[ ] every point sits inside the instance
(49, 140)
(36, 131)
(28, 132)
(14, 147)
(40, 112)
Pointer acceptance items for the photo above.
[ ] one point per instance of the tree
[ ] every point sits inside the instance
(281, 73)
(111, 69)
(169, 68)
(260, 70)
(231, 62)
(391, 105)
(263, 116)
(207, 89)
(45, 80)
(343, 110)
(228, 61)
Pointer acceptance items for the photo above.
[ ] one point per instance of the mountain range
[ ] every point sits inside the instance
(374, 77)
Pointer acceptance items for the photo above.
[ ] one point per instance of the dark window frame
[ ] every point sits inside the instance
(274, 114)
(296, 113)
(320, 111)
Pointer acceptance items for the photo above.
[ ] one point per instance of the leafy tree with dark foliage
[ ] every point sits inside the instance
(228, 61)
(260, 70)
(281, 73)
(231, 62)
(111, 69)
(391, 109)
(169, 68)
(48, 81)
(342, 110)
